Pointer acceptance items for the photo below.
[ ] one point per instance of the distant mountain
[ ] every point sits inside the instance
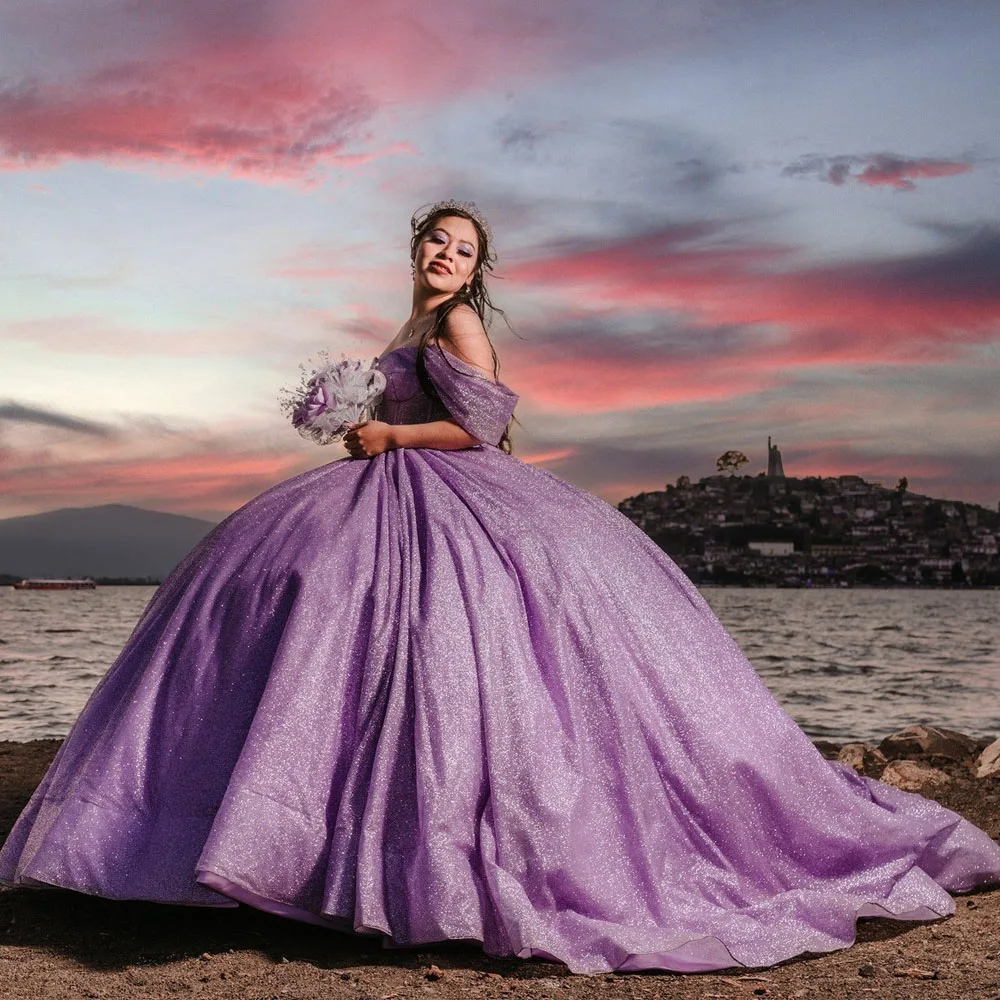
(113, 540)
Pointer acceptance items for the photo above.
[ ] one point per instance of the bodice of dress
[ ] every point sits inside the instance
(479, 405)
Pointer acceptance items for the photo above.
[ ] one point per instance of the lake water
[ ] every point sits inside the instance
(845, 664)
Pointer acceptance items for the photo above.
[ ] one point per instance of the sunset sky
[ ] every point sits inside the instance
(716, 221)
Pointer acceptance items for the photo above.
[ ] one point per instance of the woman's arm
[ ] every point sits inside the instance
(444, 434)
(372, 437)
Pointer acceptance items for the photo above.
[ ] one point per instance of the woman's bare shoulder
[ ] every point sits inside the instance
(465, 337)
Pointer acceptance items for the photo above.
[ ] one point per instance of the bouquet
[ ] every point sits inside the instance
(332, 396)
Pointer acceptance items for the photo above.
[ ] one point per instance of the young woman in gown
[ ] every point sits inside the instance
(432, 692)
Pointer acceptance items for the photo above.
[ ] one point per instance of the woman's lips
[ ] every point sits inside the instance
(438, 268)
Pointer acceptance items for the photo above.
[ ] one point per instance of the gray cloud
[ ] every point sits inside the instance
(520, 136)
(876, 169)
(19, 413)
(636, 339)
(966, 270)
(833, 169)
(625, 172)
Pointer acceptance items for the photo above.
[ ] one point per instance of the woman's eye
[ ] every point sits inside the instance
(466, 252)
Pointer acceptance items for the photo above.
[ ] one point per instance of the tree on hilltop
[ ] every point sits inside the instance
(731, 462)
(902, 485)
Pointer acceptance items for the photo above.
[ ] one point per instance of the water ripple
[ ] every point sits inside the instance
(845, 664)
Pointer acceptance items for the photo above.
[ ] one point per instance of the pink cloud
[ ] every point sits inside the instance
(922, 310)
(907, 309)
(254, 124)
(900, 173)
(544, 457)
(601, 380)
(192, 483)
(267, 90)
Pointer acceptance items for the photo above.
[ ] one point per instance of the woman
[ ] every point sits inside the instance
(431, 692)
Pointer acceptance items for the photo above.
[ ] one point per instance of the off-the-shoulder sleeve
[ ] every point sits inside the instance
(478, 404)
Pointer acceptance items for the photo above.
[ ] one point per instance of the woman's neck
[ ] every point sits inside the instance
(424, 304)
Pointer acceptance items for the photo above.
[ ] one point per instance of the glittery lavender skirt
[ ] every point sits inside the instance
(446, 695)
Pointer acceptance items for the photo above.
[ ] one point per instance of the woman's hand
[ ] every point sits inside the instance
(369, 438)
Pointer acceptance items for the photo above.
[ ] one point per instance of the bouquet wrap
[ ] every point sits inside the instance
(331, 396)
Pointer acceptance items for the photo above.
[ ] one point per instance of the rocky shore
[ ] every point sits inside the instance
(57, 944)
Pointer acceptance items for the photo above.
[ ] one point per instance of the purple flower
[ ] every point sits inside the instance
(316, 401)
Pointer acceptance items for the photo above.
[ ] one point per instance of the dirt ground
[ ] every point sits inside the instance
(59, 944)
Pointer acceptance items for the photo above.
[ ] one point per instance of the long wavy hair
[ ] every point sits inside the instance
(475, 295)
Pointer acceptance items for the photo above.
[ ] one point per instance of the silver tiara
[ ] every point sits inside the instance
(469, 207)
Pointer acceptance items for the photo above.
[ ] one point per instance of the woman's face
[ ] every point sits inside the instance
(447, 255)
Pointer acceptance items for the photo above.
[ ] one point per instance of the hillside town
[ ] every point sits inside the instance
(772, 529)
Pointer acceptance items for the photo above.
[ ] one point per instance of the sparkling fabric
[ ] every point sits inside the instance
(479, 405)
(445, 694)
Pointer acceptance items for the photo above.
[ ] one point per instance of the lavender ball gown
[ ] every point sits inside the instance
(446, 695)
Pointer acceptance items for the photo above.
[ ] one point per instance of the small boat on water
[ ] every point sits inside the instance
(38, 583)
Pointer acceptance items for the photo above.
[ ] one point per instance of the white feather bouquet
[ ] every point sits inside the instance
(332, 396)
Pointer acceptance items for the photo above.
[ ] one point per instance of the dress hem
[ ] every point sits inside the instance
(651, 961)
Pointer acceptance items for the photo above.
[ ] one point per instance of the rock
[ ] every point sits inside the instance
(867, 971)
(912, 776)
(862, 757)
(989, 761)
(928, 740)
(917, 973)
(827, 749)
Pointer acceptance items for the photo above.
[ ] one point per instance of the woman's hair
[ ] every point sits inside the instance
(475, 294)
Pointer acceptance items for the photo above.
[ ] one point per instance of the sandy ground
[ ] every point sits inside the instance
(59, 944)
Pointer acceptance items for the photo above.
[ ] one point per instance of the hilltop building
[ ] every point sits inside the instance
(772, 548)
(818, 531)
(774, 466)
